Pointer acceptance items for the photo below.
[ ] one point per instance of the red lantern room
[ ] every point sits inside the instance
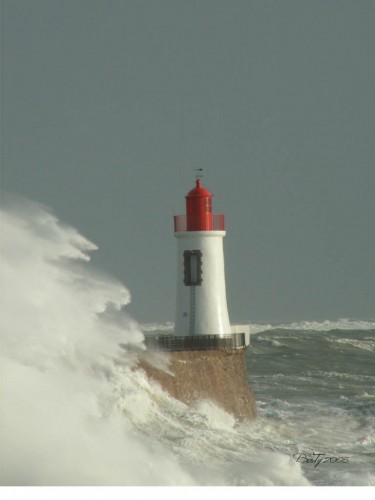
(199, 209)
(199, 216)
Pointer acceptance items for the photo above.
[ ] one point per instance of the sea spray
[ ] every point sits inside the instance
(61, 331)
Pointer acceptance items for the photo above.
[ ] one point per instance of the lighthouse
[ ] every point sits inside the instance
(206, 354)
(201, 302)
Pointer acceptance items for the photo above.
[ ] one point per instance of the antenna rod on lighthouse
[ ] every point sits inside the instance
(198, 175)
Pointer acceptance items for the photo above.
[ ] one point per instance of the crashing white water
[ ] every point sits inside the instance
(315, 326)
(73, 409)
(310, 326)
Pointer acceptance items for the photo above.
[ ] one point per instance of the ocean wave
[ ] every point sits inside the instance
(156, 327)
(317, 326)
(341, 375)
(272, 342)
(366, 345)
(314, 326)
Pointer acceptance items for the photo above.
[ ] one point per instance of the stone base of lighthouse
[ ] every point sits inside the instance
(216, 375)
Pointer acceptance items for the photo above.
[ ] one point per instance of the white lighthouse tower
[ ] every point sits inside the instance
(206, 354)
(201, 304)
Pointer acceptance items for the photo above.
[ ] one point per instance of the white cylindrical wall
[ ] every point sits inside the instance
(202, 309)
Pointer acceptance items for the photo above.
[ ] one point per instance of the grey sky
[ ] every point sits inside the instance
(108, 106)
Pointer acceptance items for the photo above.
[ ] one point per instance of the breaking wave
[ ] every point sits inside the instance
(315, 326)
(305, 326)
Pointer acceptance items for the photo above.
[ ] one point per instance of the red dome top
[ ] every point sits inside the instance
(199, 209)
(199, 191)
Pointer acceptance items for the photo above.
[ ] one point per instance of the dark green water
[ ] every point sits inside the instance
(318, 389)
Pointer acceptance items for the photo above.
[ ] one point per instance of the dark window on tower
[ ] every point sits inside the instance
(192, 267)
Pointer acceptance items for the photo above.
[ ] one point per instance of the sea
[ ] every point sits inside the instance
(314, 385)
(76, 411)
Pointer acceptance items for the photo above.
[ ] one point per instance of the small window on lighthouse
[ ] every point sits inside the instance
(192, 267)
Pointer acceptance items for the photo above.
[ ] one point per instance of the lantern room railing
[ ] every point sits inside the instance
(180, 223)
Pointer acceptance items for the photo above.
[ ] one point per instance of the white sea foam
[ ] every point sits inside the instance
(366, 345)
(218, 418)
(152, 327)
(61, 330)
(274, 343)
(318, 326)
(310, 326)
